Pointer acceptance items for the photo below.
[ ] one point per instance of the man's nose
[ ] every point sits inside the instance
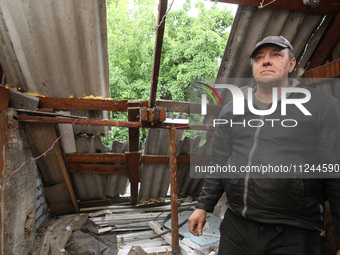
(267, 60)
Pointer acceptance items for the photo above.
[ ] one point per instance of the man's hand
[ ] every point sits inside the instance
(338, 253)
(196, 222)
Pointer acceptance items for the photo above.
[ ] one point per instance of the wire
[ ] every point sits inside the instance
(261, 6)
(42, 155)
(163, 18)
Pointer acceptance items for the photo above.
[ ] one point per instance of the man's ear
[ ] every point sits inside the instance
(292, 65)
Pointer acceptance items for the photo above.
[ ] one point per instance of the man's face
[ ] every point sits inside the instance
(272, 63)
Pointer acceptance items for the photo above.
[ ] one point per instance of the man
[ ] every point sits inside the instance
(275, 215)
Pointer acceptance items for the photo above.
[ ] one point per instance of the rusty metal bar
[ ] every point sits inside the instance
(157, 51)
(61, 103)
(110, 123)
(173, 191)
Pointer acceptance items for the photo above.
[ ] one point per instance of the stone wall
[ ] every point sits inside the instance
(24, 207)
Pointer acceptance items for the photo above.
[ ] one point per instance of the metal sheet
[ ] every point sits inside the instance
(55, 48)
(252, 24)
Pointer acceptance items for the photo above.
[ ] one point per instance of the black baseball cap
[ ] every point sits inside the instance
(273, 39)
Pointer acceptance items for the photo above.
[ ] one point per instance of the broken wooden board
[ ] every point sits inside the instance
(21, 100)
(142, 239)
(122, 209)
(185, 250)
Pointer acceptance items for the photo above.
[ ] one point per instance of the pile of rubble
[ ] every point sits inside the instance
(121, 230)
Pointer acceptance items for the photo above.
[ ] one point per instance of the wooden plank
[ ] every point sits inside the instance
(85, 104)
(326, 7)
(96, 168)
(41, 137)
(58, 199)
(94, 203)
(331, 70)
(173, 190)
(157, 51)
(120, 105)
(133, 169)
(120, 158)
(164, 249)
(68, 181)
(157, 159)
(108, 123)
(185, 249)
(187, 107)
(21, 100)
(133, 216)
(95, 158)
(325, 49)
(4, 98)
(133, 166)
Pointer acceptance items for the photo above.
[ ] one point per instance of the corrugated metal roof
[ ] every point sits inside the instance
(55, 48)
(252, 24)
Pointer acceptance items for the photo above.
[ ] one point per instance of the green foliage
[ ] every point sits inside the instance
(192, 48)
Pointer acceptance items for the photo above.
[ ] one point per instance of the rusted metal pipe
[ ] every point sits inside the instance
(110, 123)
(157, 51)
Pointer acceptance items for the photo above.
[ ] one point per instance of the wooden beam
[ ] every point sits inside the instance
(4, 97)
(187, 107)
(68, 181)
(21, 100)
(61, 103)
(133, 167)
(95, 203)
(326, 7)
(95, 158)
(331, 70)
(173, 191)
(327, 45)
(157, 51)
(108, 123)
(96, 168)
(120, 158)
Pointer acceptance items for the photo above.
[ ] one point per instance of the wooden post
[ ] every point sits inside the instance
(133, 115)
(173, 191)
(4, 97)
(157, 51)
(68, 181)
